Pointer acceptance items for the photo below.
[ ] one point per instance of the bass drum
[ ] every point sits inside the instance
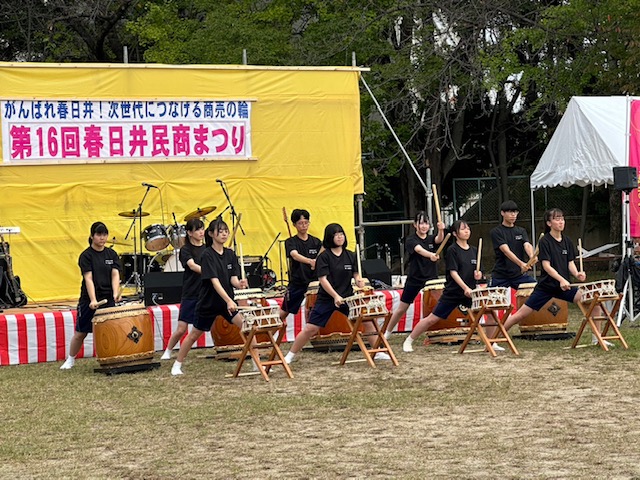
(155, 237)
(172, 264)
(128, 260)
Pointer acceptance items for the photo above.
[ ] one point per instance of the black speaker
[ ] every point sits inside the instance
(253, 266)
(625, 178)
(161, 288)
(376, 269)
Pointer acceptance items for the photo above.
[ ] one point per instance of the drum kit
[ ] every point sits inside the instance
(163, 242)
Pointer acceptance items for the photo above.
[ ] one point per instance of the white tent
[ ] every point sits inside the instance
(589, 141)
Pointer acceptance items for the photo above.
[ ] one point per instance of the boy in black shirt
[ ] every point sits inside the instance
(302, 250)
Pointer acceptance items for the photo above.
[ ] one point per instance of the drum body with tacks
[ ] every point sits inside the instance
(550, 320)
(335, 334)
(123, 336)
(227, 337)
(449, 330)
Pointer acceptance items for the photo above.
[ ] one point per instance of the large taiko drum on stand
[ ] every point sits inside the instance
(123, 336)
(452, 329)
(335, 334)
(551, 320)
(227, 339)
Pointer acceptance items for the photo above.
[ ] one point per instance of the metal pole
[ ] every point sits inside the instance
(533, 222)
(413, 167)
(125, 54)
(244, 56)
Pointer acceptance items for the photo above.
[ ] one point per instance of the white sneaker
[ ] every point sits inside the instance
(498, 348)
(176, 370)
(407, 346)
(166, 355)
(382, 356)
(68, 363)
(594, 341)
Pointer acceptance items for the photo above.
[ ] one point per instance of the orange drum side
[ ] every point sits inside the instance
(450, 330)
(551, 319)
(227, 339)
(123, 336)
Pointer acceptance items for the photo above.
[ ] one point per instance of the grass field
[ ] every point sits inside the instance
(549, 413)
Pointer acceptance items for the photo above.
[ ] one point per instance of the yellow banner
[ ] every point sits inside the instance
(305, 141)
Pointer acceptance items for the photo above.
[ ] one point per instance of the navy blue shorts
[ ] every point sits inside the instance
(84, 323)
(410, 292)
(444, 309)
(293, 298)
(511, 282)
(205, 322)
(322, 312)
(539, 298)
(188, 310)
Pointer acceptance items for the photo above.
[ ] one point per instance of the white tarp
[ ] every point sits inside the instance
(588, 143)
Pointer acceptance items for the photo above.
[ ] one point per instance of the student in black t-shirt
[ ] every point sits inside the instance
(219, 276)
(512, 248)
(461, 261)
(420, 248)
(190, 255)
(302, 250)
(336, 266)
(100, 268)
(557, 256)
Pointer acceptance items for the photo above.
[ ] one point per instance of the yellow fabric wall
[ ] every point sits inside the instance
(305, 136)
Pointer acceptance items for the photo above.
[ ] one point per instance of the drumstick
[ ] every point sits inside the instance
(242, 274)
(437, 200)
(235, 229)
(102, 302)
(580, 254)
(479, 255)
(444, 242)
(535, 254)
(358, 259)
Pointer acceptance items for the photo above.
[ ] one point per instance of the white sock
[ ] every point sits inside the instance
(68, 363)
(176, 369)
(289, 357)
(407, 346)
(166, 355)
(387, 334)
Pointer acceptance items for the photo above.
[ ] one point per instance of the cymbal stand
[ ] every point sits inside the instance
(265, 261)
(136, 276)
(234, 215)
(281, 282)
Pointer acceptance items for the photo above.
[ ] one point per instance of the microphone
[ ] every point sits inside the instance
(148, 185)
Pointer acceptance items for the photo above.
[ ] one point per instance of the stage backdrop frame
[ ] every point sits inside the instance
(305, 153)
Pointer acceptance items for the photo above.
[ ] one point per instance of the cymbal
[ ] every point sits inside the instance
(199, 212)
(133, 213)
(113, 241)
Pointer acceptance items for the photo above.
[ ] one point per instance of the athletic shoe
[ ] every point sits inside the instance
(68, 363)
(176, 370)
(498, 348)
(382, 356)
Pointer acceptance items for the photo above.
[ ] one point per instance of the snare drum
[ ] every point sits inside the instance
(490, 297)
(155, 237)
(227, 338)
(605, 289)
(123, 336)
(177, 235)
(449, 330)
(551, 319)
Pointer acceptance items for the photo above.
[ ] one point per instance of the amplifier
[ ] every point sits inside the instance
(161, 288)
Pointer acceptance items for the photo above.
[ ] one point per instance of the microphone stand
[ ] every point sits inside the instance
(234, 215)
(138, 216)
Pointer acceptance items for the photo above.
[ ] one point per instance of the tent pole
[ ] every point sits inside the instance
(533, 222)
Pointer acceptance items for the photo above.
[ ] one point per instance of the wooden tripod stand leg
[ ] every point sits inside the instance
(354, 325)
(586, 314)
(276, 351)
(360, 340)
(245, 350)
(505, 335)
(610, 322)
